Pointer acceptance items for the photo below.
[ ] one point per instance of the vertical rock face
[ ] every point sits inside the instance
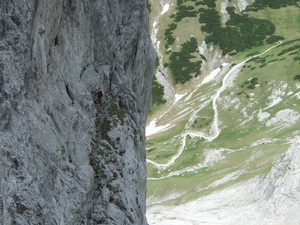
(65, 157)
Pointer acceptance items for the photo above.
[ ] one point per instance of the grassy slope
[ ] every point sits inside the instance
(237, 104)
(190, 26)
(287, 20)
(235, 146)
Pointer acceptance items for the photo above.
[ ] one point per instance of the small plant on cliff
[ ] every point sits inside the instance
(157, 93)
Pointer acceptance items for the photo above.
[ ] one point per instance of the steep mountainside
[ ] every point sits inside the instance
(194, 37)
(224, 149)
(65, 157)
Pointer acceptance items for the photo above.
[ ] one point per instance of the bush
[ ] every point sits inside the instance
(273, 60)
(241, 32)
(297, 58)
(294, 53)
(157, 92)
(203, 57)
(208, 3)
(262, 65)
(288, 42)
(211, 19)
(275, 4)
(181, 66)
(288, 49)
(250, 84)
(148, 6)
(184, 11)
(169, 35)
(273, 39)
(156, 62)
(297, 77)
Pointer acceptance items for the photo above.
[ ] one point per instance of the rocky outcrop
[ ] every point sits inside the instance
(65, 157)
(281, 187)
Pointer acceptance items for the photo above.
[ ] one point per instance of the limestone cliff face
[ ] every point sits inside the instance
(65, 159)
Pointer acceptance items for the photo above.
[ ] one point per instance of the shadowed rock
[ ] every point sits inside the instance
(63, 158)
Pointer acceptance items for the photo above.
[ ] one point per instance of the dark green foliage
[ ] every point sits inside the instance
(250, 84)
(99, 171)
(273, 39)
(241, 32)
(208, 3)
(262, 65)
(203, 57)
(275, 4)
(157, 92)
(157, 62)
(294, 53)
(297, 77)
(181, 66)
(169, 35)
(289, 49)
(211, 19)
(239, 93)
(254, 80)
(148, 6)
(297, 58)
(199, 3)
(288, 42)
(184, 11)
(201, 123)
(258, 59)
(273, 60)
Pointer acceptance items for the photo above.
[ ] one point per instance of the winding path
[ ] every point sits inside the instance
(215, 129)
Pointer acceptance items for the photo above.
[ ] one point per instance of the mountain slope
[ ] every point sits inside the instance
(227, 140)
(219, 27)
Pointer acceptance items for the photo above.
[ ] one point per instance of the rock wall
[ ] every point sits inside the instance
(65, 157)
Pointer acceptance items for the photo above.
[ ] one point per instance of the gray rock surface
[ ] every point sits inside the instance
(64, 158)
